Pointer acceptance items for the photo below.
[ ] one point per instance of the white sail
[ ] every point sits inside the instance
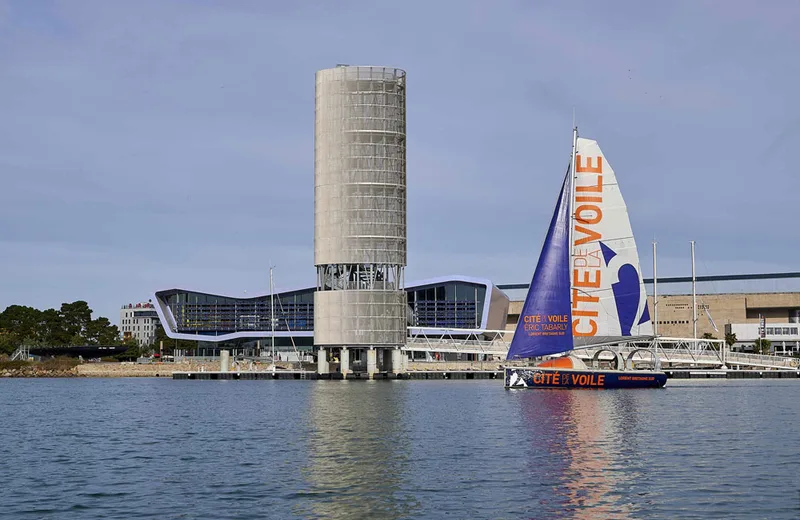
(608, 299)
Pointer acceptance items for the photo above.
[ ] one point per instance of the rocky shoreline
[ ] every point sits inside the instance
(39, 370)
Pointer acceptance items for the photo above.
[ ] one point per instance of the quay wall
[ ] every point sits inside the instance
(164, 369)
(134, 370)
(449, 366)
(416, 370)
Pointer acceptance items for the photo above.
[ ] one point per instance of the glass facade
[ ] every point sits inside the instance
(450, 304)
(207, 314)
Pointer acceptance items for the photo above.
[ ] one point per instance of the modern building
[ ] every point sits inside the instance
(458, 306)
(360, 216)
(740, 314)
(139, 321)
(783, 337)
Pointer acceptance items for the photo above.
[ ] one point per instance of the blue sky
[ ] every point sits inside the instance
(156, 144)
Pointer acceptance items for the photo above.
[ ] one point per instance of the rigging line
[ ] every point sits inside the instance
(715, 290)
(289, 329)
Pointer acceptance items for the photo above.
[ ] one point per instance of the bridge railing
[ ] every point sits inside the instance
(456, 345)
(686, 356)
(762, 359)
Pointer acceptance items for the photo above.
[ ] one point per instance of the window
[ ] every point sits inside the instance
(786, 330)
(770, 330)
(794, 331)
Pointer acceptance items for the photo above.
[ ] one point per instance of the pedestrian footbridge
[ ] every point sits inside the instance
(672, 352)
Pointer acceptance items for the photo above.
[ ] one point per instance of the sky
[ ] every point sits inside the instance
(170, 143)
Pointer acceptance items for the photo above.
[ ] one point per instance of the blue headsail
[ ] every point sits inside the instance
(545, 324)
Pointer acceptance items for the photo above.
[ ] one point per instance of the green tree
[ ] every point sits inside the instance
(71, 325)
(76, 317)
(101, 332)
(51, 328)
(730, 338)
(21, 321)
(8, 342)
(133, 352)
(708, 335)
(762, 346)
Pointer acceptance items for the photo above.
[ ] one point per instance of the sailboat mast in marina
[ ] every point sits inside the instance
(587, 289)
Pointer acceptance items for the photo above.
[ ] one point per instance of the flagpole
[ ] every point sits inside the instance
(694, 299)
(655, 292)
(272, 316)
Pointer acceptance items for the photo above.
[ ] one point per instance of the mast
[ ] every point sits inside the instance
(572, 194)
(655, 292)
(272, 316)
(694, 298)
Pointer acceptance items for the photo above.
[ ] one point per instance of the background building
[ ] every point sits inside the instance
(784, 337)
(459, 306)
(139, 321)
(675, 311)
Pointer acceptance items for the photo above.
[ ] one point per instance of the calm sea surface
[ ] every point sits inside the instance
(155, 448)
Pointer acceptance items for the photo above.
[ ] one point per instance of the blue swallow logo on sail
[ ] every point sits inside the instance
(627, 293)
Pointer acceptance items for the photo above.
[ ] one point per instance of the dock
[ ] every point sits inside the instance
(456, 375)
(357, 376)
(733, 374)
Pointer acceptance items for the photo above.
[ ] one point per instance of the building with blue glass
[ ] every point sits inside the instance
(456, 306)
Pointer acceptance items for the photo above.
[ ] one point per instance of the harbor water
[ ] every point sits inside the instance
(155, 448)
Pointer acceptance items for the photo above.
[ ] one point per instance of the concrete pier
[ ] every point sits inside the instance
(344, 361)
(322, 362)
(372, 362)
(398, 361)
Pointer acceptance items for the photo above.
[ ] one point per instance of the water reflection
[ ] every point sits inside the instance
(583, 453)
(358, 448)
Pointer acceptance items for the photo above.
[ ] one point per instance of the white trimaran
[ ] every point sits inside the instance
(587, 290)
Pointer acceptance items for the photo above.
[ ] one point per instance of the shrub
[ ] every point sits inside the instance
(59, 363)
(14, 365)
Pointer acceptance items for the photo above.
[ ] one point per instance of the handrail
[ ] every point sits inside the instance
(705, 356)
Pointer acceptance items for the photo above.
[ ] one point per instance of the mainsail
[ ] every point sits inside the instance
(589, 291)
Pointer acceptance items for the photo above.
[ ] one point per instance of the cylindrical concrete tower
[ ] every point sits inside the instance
(360, 207)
